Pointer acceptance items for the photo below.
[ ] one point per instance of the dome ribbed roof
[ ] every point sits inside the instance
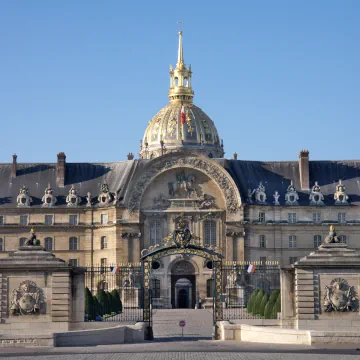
(166, 133)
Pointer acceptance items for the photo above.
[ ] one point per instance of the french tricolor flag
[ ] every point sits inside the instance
(115, 270)
(182, 115)
(251, 268)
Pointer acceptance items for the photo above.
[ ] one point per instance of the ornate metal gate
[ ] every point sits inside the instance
(179, 243)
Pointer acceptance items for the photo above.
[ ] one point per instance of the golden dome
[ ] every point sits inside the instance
(181, 126)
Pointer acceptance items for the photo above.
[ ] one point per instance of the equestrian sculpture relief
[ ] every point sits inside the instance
(183, 186)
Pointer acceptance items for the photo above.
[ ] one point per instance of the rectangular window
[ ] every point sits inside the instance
(73, 219)
(317, 241)
(104, 219)
(292, 241)
(22, 241)
(48, 219)
(23, 219)
(210, 288)
(73, 243)
(2, 221)
(210, 232)
(1, 244)
(316, 217)
(292, 218)
(155, 288)
(293, 259)
(262, 260)
(342, 217)
(73, 262)
(155, 232)
(261, 217)
(103, 241)
(262, 241)
(48, 244)
(342, 238)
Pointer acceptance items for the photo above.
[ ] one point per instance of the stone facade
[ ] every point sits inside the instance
(106, 213)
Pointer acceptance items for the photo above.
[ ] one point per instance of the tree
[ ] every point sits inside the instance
(263, 303)
(268, 310)
(277, 307)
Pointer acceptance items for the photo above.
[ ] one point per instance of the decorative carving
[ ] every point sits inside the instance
(183, 186)
(260, 195)
(316, 197)
(88, 199)
(234, 233)
(160, 203)
(189, 122)
(181, 235)
(233, 278)
(171, 128)
(276, 198)
(128, 235)
(49, 199)
(331, 238)
(130, 278)
(291, 196)
(212, 170)
(105, 196)
(24, 199)
(340, 296)
(206, 202)
(32, 241)
(250, 196)
(26, 299)
(73, 199)
(340, 196)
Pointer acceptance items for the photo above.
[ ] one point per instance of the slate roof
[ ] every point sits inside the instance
(88, 177)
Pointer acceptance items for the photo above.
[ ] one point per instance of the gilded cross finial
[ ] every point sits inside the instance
(180, 25)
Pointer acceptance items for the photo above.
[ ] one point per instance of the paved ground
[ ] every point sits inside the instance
(166, 327)
(194, 346)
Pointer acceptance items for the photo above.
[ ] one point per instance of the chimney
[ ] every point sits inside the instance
(60, 169)
(235, 156)
(130, 156)
(14, 166)
(304, 169)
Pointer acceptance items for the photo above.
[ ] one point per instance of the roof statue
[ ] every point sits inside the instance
(331, 238)
(32, 241)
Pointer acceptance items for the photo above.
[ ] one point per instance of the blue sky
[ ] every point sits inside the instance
(85, 77)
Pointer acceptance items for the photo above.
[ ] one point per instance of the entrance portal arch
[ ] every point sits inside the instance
(180, 244)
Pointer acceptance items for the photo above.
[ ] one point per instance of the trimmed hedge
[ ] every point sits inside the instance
(263, 303)
(258, 299)
(251, 302)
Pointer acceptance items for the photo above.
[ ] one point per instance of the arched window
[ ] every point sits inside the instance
(73, 243)
(103, 242)
(210, 288)
(185, 82)
(155, 232)
(48, 243)
(176, 81)
(342, 239)
(317, 241)
(1, 245)
(210, 232)
(22, 241)
(155, 288)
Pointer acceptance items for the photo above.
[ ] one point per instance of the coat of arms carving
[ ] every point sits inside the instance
(26, 299)
(340, 296)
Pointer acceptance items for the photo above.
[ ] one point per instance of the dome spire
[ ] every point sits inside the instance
(180, 62)
(180, 77)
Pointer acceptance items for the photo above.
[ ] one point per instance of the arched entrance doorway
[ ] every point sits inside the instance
(183, 285)
(180, 244)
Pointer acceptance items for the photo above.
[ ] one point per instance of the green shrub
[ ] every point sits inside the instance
(263, 303)
(250, 304)
(274, 295)
(89, 305)
(276, 308)
(117, 302)
(258, 299)
(268, 309)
